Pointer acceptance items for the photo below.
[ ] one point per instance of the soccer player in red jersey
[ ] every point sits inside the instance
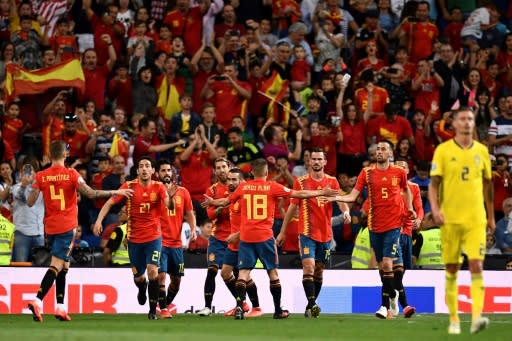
(171, 220)
(230, 263)
(143, 229)
(257, 199)
(387, 190)
(405, 260)
(59, 186)
(315, 228)
(220, 231)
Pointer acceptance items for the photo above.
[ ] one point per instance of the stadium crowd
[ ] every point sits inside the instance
(195, 80)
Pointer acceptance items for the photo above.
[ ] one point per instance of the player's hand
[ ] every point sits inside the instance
(193, 236)
(125, 192)
(438, 218)
(280, 239)
(347, 218)
(412, 214)
(416, 224)
(207, 201)
(491, 225)
(329, 192)
(171, 189)
(97, 229)
(233, 238)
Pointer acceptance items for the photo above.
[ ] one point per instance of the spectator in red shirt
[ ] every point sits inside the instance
(75, 138)
(420, 34)
(371, 61)
(119, 87)
(164, 43)
(107, 26)
(452, 30)
(144, 142)
(423, 149)
(389, 127)
(229, 94)
(187, 22)
(301, 71)
(63, 42)
(13, 127)
(96, 75)
(229, 23)
(53, 120)
(6, 153)
(370, 99)
(197, 164)
(426, 85)
(326, 140)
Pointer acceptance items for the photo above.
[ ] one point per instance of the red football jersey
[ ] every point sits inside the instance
(393, 131)
(418, 208)
(385, 196)
(171, 221)
(328, 145)
(187, 25)
(221, 227)
(380, 99)
(315, 216)
(258, 199)
(144, 210)
(11, 132)
(228, 102)
(59, 186)
(420, 38)
(234, 219)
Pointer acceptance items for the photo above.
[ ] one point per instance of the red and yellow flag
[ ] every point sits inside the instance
(274, 88)
(20, 81)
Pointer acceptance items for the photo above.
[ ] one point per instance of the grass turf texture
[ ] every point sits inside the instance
(327, 327)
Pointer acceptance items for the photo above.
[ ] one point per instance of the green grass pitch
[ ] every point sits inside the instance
(194, 328)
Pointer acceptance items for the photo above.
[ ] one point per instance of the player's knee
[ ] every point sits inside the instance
(319, 270)
(452, 268)
(272, 275)
(161, 277)
(212, 271)
(152, 273)
(475, 266)
(226, 273)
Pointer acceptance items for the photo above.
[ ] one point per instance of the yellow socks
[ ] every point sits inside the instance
(452, 292)
(477, 295)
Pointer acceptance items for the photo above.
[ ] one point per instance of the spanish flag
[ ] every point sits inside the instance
(169, 96)
(20, 81)
(274, 88)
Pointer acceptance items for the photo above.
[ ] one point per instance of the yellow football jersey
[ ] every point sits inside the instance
(462, 171)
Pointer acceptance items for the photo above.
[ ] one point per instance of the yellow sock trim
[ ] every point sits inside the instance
(477, 295)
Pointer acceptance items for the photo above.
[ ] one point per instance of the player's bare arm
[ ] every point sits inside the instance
(209, 201)
(98, 228)
(190, 218)
(407, 194)
(96, 193)
(305, 194)
(32, 197)
(489, 204)
(343, 206)
(351, 197)
(433, 197)
(286, 221)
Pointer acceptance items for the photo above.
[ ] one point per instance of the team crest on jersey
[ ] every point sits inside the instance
(477, 160)
(152, 196)
(177, 200)
(211, 257)
(433, 167)
(394, 181)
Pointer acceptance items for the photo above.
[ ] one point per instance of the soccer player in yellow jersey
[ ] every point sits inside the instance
(460, 183)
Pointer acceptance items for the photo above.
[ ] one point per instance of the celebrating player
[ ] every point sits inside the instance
(462, 166)
(217, 242)
(316, 228)
(387, 189)
(230, 264)
(171, 260)
(143, 231)
(258, 198)
(59, 186)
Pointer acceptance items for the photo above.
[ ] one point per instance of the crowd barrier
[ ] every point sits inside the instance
(111, 291)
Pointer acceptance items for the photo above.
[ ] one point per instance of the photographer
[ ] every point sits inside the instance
(100, 141)
(28, 220)
(418, 32)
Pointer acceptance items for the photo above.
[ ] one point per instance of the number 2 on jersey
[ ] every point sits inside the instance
(60, 197)
(256, 206)
(465, 173)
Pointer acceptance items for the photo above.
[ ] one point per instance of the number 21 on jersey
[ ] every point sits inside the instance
(256, 205)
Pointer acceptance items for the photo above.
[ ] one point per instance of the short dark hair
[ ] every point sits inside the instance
(422, 166)
(148, 158)
(144, 122)
(389, 143)
(317, 150)
(162, 162)
(456, 112)
(57, 150)
(221, 159)
(235, 130)
(236, 170)
(259, 166)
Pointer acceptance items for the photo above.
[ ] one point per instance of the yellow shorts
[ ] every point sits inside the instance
(456, 238)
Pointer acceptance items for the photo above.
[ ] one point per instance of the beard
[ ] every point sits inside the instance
(167, 179)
